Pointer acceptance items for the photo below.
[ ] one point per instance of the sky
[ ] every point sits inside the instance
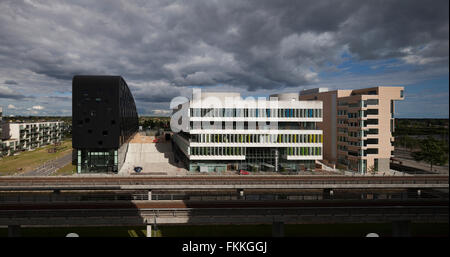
(163, 49)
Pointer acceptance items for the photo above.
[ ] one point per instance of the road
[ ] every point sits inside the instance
(404, 155)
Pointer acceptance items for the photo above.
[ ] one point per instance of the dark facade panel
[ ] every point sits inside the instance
(104, 112)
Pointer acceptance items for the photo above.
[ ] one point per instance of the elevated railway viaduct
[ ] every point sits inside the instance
(149, 212)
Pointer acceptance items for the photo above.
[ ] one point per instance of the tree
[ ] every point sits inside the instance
(407, 142)
(432, 151)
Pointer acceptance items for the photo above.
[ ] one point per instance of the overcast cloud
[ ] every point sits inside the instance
(164, 48)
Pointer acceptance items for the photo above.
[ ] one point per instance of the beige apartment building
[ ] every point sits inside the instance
(357, 126)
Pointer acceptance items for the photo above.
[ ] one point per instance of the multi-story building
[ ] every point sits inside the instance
(1, 121)
(104, 120)
(31, 135)
(357, 126)
(275, 134)
(10, 146)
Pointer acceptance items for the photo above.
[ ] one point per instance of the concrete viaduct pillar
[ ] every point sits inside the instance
(401, 228)
(13, 230)
(149, 194)
(414, 193)
(149, 230)
(240, 193)
(277, 229)
(328, 193)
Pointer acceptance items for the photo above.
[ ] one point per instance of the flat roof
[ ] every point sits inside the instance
(313, 91)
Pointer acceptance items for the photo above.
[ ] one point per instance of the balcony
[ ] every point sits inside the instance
(371, 123)
(370, 102)
(371, 112)
(371, 151)
(371, 141)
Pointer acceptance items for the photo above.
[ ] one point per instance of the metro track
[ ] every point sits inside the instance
(145, 178)
(237, 204)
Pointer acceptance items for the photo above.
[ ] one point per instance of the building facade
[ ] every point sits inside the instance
(226, 132)
(26, 136)
(1, 130)
(104, 119)
(358, 126)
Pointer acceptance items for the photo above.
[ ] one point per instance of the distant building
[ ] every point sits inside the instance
(104, 119)
(242, 138)
(357, 126)
(26, 136)
(1, 121)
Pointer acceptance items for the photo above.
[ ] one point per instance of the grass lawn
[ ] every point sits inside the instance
(29, 160)
(300, 230)
(69, 169)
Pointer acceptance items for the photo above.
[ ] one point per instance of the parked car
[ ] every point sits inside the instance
(137, 169)
(244, 172)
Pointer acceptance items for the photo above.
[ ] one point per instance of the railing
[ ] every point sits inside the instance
(355, 179)
(218, 215)
(351, 196)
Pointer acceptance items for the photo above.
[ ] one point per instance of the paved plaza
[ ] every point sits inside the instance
(156, 158)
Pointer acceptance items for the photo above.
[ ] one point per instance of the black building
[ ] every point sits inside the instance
(104, 119)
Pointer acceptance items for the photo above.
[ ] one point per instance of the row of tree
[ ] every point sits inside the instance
(154, 123)
(432, 151)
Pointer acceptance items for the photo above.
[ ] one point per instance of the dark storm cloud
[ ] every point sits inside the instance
(6, 92)
(254, 45)
(10, 82)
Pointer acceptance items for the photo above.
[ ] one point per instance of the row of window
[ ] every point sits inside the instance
(342, 138)
(352, 143)
(253, 125)
(234, 151)
(351, 124)
(359, 114)
(364, 152)
(352, 115)
(303, 151)
(354, 134)
(363, 103)
(355, 124)
(252, 138)
(358, 134)
(211, 151)
(233, 112)
(342, 112)
(342, 147)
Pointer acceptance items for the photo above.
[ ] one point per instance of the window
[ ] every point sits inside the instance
(371, 102)
(372, 121)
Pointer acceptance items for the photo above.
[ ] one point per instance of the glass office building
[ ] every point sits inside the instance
(226, 132)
